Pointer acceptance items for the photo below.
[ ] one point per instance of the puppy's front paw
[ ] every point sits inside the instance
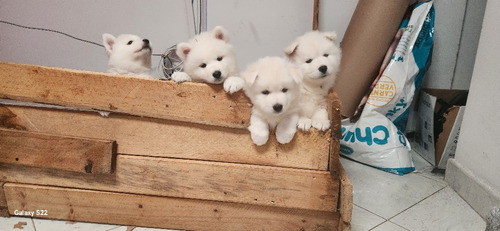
(321, 125)
(260, 138)
(304, 124)
(233, 84)
(180, 77)
(285, 137)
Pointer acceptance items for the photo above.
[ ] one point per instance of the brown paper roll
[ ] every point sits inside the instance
(368, 36)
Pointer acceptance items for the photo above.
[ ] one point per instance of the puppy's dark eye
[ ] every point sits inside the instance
(326, 55)
(265, 92)
(219, 58)
(130, 42)
(309, 61)
(284, 90)
(203, 65)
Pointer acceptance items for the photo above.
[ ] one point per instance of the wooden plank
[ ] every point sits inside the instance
(192, 102)
(346, 200)
(248, 184)
(161, 212)
(337, 171)
(56, 152)
(166, 138)
(336, 133)
(4, 211)
(315, 15)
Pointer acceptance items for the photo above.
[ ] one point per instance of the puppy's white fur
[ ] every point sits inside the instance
(209, 58)
(128, 54)
(273, 86)
(318, 57)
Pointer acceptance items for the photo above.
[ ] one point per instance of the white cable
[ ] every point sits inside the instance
(203, 12)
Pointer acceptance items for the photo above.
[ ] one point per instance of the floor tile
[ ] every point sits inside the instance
(444, 210)
(121, 228)
(363, 220)
(425, 169)
(133, 228)
(387, 194)
(56, 225)
(389, 226)
(16, 223)
(151, 229)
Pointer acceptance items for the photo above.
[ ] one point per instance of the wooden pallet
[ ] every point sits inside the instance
(169, 155)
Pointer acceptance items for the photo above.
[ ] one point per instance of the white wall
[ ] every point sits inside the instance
(478, 151)
(260, 28)
(479, 144)
(335, 15)
(468, 44)
(257, 28)
(457, 27)
(164, 23)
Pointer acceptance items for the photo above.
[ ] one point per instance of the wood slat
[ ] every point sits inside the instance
(4, 211)
(192, 102)
(161, 212)
(346, 199)
(248, 184)
(166, 138)
(56, 152)
(336, 133)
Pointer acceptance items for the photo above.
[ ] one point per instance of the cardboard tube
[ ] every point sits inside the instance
(368, 36)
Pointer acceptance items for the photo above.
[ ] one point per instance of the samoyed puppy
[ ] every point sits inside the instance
(128, 54)
(209, 58)
(318, 57)
(273, 85)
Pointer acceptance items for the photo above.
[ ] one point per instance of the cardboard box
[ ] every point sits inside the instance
(438, 119)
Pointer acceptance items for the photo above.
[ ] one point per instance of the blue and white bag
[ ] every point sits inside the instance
(377, 138)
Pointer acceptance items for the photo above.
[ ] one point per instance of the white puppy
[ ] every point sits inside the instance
(209, 58)
(273, 86)
(128, 54)
(318, 57)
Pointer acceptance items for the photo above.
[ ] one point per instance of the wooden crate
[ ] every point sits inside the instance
(169, 155)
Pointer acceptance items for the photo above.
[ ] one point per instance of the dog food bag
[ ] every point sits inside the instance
(377, 137)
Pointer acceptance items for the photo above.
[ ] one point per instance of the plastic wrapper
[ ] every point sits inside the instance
(375, 135)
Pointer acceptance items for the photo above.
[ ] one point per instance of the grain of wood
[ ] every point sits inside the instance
(238, 183)
(192, 102)
(346, 199)
(54, 151)
(167, 138)
(336, 133)
(162, 212)
(4, 211)
(182, 124)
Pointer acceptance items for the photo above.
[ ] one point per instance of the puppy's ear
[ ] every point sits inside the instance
(108, 41)
(183, 50)
(221, 33)
(332, 36)
(250, 76)
(290, 49)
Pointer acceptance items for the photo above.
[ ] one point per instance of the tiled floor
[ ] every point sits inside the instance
(382, 202)
(421, 200)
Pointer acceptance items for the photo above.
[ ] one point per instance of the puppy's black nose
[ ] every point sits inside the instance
(216, 74)
(146, 41)
(323, 69)
(278, 107)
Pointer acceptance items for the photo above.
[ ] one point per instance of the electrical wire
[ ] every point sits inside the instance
(169, 63)
(57, 32)
(50, 30)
